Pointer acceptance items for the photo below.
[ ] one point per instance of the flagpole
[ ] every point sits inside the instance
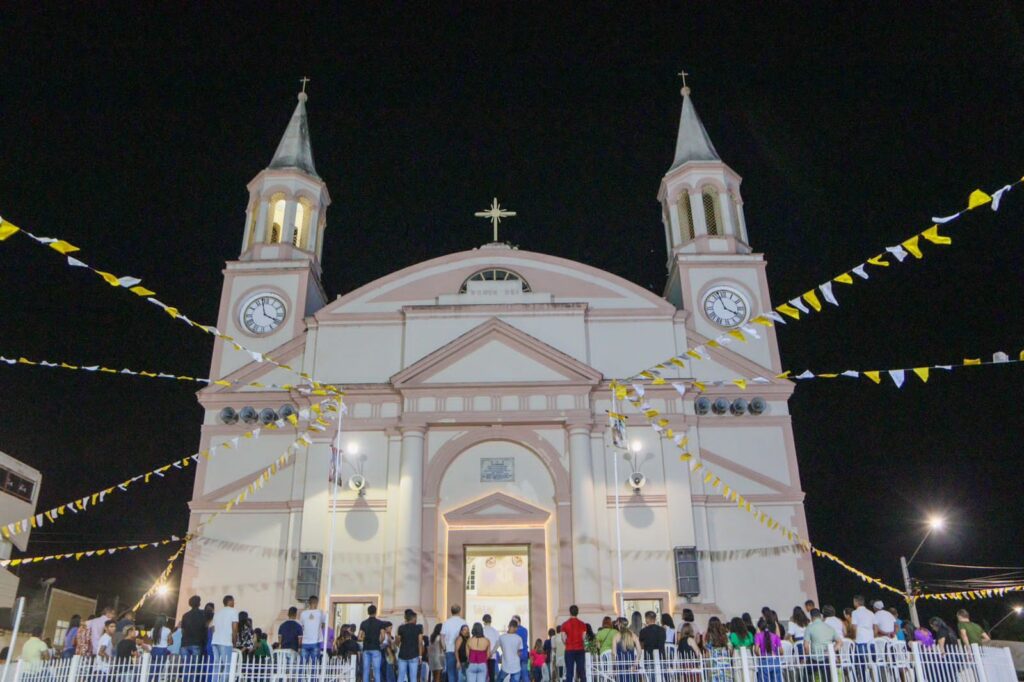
(618, 514)
(336, 460)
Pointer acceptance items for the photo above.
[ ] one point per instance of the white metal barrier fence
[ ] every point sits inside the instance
(283, 667)
(884, 660)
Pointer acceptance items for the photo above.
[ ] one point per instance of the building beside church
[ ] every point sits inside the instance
(477, 386)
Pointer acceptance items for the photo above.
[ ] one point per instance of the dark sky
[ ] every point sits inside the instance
(132, 133)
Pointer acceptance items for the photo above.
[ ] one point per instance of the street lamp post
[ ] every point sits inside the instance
(934, 523)
(1016, 610)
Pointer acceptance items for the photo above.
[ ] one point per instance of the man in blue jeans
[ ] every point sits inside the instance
(450, 632)
(313, 620)
(369, 635)
(225, 636)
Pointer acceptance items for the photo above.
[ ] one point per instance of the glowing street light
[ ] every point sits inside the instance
(1016, 610)
(935, 522)
(163, 590)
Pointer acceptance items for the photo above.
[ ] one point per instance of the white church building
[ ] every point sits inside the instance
(477, 389)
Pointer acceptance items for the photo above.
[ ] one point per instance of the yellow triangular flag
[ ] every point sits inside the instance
(7, 229)
(972, 361)
(877, 260)
(787, 309)
(742, 383)
(784, 375)
(812, 298)
(738, 335)
(874, 375)
(932, 235)
(108, 278)
(761, 319)
(694, 354)
(922, 372)
(911, 246)
(61, 246)
(977, 198)
(142, 291)
(844, 278)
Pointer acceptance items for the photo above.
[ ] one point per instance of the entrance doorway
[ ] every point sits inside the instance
(498, 583)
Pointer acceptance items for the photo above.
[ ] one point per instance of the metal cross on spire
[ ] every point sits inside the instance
(495, 213)
(304, 80)
(686, 89)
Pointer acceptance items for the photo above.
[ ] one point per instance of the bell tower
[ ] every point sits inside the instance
(713, 272)
(275, 282)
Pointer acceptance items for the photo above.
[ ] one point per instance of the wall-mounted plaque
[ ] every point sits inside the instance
(497, 469)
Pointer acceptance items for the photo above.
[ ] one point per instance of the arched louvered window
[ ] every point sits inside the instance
(712, 214)
(686, 216)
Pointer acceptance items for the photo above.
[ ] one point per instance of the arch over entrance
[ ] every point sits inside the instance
(498, 517)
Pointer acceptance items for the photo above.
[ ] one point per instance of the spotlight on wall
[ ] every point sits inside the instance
(267, 416)
(249, 414)
(228, 416)
(287, 411)
(702, 405)
(720, 406)
(738, 407)
(637, 481)
(357, 482)
(758, 406)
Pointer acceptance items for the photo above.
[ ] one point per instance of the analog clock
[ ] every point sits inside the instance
(726, 307)
(263, 313)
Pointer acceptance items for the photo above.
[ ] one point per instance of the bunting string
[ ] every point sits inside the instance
(899, 376)
(318, 416)
(970, 595)
(810, 302)
(101, 369)
(335, 410)
(87, 553)
(134, 285)
(661, 425)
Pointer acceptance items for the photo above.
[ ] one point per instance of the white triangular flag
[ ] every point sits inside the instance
(946, 219)
(826, 292)
(75, 263)
(945, 367)
(799, 305)
(859, 271)
(898, 376)
(898, 251)
(850, 373)
(45, 363)
(806, 374)
(997, 196)
(774, 316)
(680, 389)
(750, 330)
(93, 368)
(639, 389)
(128, 282)
(258, 357)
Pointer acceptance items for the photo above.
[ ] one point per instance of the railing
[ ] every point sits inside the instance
(884, 660)
(283, 667)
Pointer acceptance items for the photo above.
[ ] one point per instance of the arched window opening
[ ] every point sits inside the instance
(300, 221)
(494, 275)
(686, 216)
(276, 219)
(712, 216)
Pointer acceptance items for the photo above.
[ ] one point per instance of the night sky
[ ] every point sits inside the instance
(133, 133)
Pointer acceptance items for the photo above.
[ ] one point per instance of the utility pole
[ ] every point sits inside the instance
(910, 593)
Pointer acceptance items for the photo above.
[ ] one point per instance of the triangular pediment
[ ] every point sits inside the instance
(497, 509)
(496, 352)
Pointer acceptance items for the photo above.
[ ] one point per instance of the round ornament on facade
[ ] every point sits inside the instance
(263, 313)
(726, 307)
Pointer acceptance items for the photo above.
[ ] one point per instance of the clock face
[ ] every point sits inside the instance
(263, 314)
(726, 307)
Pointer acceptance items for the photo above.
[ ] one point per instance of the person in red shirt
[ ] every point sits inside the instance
(574, 629)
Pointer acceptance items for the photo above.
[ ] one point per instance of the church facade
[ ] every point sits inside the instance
(478, 467)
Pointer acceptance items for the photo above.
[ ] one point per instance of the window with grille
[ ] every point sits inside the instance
(686, 216)
(471, 578)
(711, 214)
(687, 578)
(494, 275)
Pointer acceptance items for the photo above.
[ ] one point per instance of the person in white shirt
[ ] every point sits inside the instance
(312, 620)
(511, 645)
(96, 627)
(885, 623)
(833, 621)
(105, 648)
(492, 635)
(864, 622)
(450, 632)
(225, 635)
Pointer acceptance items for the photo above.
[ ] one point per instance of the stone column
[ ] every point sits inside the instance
(409, 541)
(288, 229)
(260, 235)
(584, 524)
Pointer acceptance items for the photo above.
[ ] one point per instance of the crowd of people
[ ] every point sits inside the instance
(457, 651)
